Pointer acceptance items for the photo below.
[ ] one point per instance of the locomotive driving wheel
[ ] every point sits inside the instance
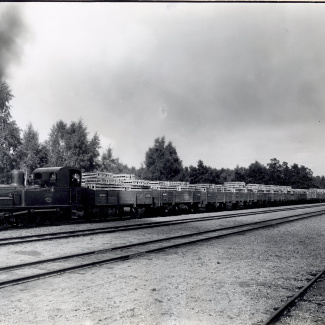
(55, 218)
(29, 219)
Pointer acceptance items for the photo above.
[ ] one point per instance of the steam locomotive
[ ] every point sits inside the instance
(55, 194)
(50, 193)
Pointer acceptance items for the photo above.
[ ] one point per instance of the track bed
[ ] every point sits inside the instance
(235, 280)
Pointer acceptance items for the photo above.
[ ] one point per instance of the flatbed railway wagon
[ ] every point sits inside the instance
(140, 196)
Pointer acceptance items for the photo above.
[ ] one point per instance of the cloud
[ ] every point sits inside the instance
(11, 33)
(237, 82)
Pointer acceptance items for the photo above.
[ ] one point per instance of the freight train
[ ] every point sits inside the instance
(54, 194)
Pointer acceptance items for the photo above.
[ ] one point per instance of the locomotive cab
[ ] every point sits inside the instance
(56, 177)
(55, 190)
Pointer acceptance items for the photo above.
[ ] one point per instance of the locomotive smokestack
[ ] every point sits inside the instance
(11, 29)
(17, 178)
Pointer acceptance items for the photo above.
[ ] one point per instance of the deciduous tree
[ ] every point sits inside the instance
(275, 173)
(256, 173)
(31, 154)
(203, 174)
(162, 162)
(57, 151)
(9, 135)
(240, 174)
(301, 176)
(113, 165)
(70, 146)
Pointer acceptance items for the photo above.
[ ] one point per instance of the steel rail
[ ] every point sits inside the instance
(288, 304)
(256, 226)
(103, 230)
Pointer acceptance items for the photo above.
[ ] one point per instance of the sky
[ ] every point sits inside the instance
(226, 83)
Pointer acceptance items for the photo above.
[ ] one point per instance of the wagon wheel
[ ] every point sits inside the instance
(141, 213)
(134, 212)
(120, 212)
(104, 214)
(175, 210)
(212, 207)
(184, 209)
(162, 211)
(110, 213)
(114, 213)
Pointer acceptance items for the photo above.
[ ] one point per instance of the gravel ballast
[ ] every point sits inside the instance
(233, 280)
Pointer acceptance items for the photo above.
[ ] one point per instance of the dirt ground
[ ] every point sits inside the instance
(233, 280)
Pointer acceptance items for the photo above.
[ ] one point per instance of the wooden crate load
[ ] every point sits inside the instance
(110, 181)
(99, 177)
(219, 188)
(321, 193)
(203, 187)
(165, 185)
(124, 182)
(267, 188)
(277, 189)
(176, 183)
(299, 191)
(270, 188)
(102, 180)
(234, 187)
(234, 184)
(255, 187)
(89, 175)
(312, 193)
(135, 182)
(285, 189)
(124, 176)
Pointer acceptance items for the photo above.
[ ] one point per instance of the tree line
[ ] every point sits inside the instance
(70, 145)
(163, 163)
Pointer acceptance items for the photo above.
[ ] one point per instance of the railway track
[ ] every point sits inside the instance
(20, 273)
(112, 229)
(7, 227)
(277, 316)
